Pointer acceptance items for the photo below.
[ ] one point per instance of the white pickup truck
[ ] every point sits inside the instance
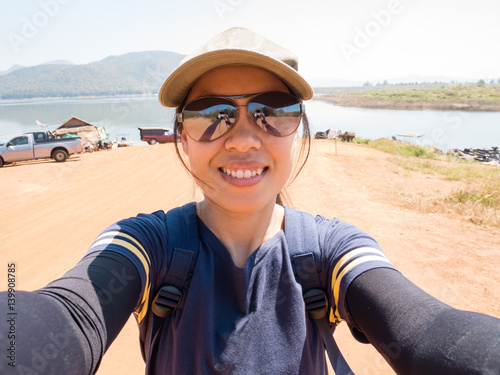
(38, 145)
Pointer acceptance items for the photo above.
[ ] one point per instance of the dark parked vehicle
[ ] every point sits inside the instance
(156, 135)
(322, 135)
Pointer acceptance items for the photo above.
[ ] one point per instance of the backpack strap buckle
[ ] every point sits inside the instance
(166, 301)
(316, 303)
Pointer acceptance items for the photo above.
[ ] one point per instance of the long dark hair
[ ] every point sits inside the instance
(304, 150)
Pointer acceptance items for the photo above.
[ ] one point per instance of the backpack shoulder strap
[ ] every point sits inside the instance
(182, 241)
(301, 233)
(182, 251)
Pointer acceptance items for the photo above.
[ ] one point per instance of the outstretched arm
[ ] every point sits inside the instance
(416, 333)
(66, 327)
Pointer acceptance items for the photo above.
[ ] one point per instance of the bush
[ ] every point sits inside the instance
(362, 141)
(486, 195)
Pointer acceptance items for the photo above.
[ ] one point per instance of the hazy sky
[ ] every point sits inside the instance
(354, 40)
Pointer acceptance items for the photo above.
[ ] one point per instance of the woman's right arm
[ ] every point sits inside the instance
(67, 326)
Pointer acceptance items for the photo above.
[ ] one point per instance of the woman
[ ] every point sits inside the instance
(241, 309)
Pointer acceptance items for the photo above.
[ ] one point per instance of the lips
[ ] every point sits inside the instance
(242, 173)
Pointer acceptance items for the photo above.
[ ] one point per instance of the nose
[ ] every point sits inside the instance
(244, 136)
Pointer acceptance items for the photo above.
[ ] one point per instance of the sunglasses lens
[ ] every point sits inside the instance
(207, 119)
(277, 113)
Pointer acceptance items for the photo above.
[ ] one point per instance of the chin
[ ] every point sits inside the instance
(243, 204)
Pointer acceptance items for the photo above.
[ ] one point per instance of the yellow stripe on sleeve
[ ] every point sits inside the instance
(351, 254)
(124, 235)
(379, 256)
(143, 308)
(137, 249)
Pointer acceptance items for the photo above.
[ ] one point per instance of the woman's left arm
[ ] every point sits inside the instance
(416, 333)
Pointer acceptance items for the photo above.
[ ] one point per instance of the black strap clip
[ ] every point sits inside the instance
(166, 301)
(316, 303)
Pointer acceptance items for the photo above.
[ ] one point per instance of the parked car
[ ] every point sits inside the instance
(124, 140)
(156, 135)
(322, 135)
(38, 145)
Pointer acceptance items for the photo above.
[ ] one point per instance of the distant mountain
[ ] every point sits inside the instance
(11, 69)
(137, 73)
(58, 62)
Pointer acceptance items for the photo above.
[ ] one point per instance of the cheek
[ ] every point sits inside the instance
(199, 156)
(284, 154)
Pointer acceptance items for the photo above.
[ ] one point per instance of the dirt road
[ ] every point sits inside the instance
(51, 212)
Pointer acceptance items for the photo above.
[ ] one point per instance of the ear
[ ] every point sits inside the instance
(184, 142)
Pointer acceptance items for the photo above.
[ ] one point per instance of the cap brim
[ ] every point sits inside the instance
(177, 84)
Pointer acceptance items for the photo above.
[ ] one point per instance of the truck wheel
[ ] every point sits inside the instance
(1, 163)
(59, 155)
(152, 141)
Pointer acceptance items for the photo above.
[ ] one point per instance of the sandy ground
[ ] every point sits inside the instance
(51, 212)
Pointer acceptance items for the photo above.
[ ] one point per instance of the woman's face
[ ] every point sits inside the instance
(246, 168)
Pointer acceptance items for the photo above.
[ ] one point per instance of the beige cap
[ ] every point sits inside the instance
(235, 46)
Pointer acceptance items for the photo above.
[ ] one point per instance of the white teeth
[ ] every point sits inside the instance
(239, 173)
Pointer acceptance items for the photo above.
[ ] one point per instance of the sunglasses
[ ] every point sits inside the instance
(208, 118)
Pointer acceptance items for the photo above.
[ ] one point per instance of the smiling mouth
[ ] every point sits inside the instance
(242, 173)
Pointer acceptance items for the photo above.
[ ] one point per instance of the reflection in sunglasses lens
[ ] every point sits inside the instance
(206, 119)
(276, 113)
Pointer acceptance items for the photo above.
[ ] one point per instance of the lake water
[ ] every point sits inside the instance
(443, 129)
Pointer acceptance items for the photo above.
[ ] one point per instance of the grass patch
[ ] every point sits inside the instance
(401, 148)
(456, 97)
(462, 93)
(478, 200)
(361, 141)
(471, 172)
(487, 195)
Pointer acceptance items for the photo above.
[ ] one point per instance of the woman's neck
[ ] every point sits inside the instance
(241, 232)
